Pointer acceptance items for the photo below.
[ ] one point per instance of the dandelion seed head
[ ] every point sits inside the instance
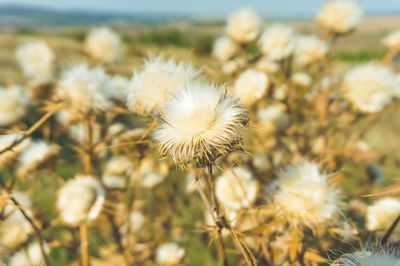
(84, 88)
(150, 89)
(80, 200)
(243, 25)
(200, 124)
(13, 105)
(277, 42)
(369, 87)
(250, 86)
(305, 196)
(309, 49)
(340, 16)
(103, 45)
(36, 60)
(169, 254)
(236, 188)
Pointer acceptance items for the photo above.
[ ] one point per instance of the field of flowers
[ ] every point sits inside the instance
(266, 145)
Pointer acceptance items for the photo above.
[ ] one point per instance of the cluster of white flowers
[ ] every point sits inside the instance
(36, 60)
(104, 45)
(151, 88)
(80, 200)
(369, 87)
(13, 105)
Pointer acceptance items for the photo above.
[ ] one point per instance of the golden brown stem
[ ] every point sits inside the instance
(390, 56)
(84, 244)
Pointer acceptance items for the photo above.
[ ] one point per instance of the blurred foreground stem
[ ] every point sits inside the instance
(84, 244)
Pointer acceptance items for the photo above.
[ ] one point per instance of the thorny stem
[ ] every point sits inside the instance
(33, 225)
(390, 230)
(84, 244)
(221, 222)
(32, 129)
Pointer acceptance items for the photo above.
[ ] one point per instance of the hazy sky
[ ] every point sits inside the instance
(204, 7)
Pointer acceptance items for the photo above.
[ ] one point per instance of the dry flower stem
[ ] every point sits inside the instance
(390, 231)
(84, 244)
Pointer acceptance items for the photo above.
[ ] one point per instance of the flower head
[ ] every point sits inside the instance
(36, 156)
(80, 200)
(305, 196)
(151, 88)
(200, 124)
(340, 16)
(369, 87)
(84, 89)
(14, 228)
(104, 45)
(301, 79)
(250, 86)
(276, 42)
(36, 60)
(392, 40)
(13, 105)
(309, 49)
(236, 188)
(243, 25)
(224, 48)
(368, 258)
(169, 254)
(381, 215)
(31, 256)
(117, 87)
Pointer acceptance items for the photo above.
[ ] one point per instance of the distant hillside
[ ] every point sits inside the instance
(12, 16)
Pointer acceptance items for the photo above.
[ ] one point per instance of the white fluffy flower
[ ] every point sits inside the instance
(9, 156)
(276, 42)
(104, 45)
(236, 188)
(121, 166)
(85, 89)
(381, 215)
(36, 60)
(272, 118)
(267, 65)
(243, 25)
(301, 79)
(224, 48)
(13, 105)
(250, 86)
(80, 200)
(31, 256)
(151, 88)
(117, 87)
(15, 229)
(136, 220)
(151, 172)
(368, 258)
(392, 40)
(36, 156)
(200, 124)
(340, 16)
(232, 66)
(169, 254)
(369, 87)
(305, 197)
(309, 49)
(113, 181)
